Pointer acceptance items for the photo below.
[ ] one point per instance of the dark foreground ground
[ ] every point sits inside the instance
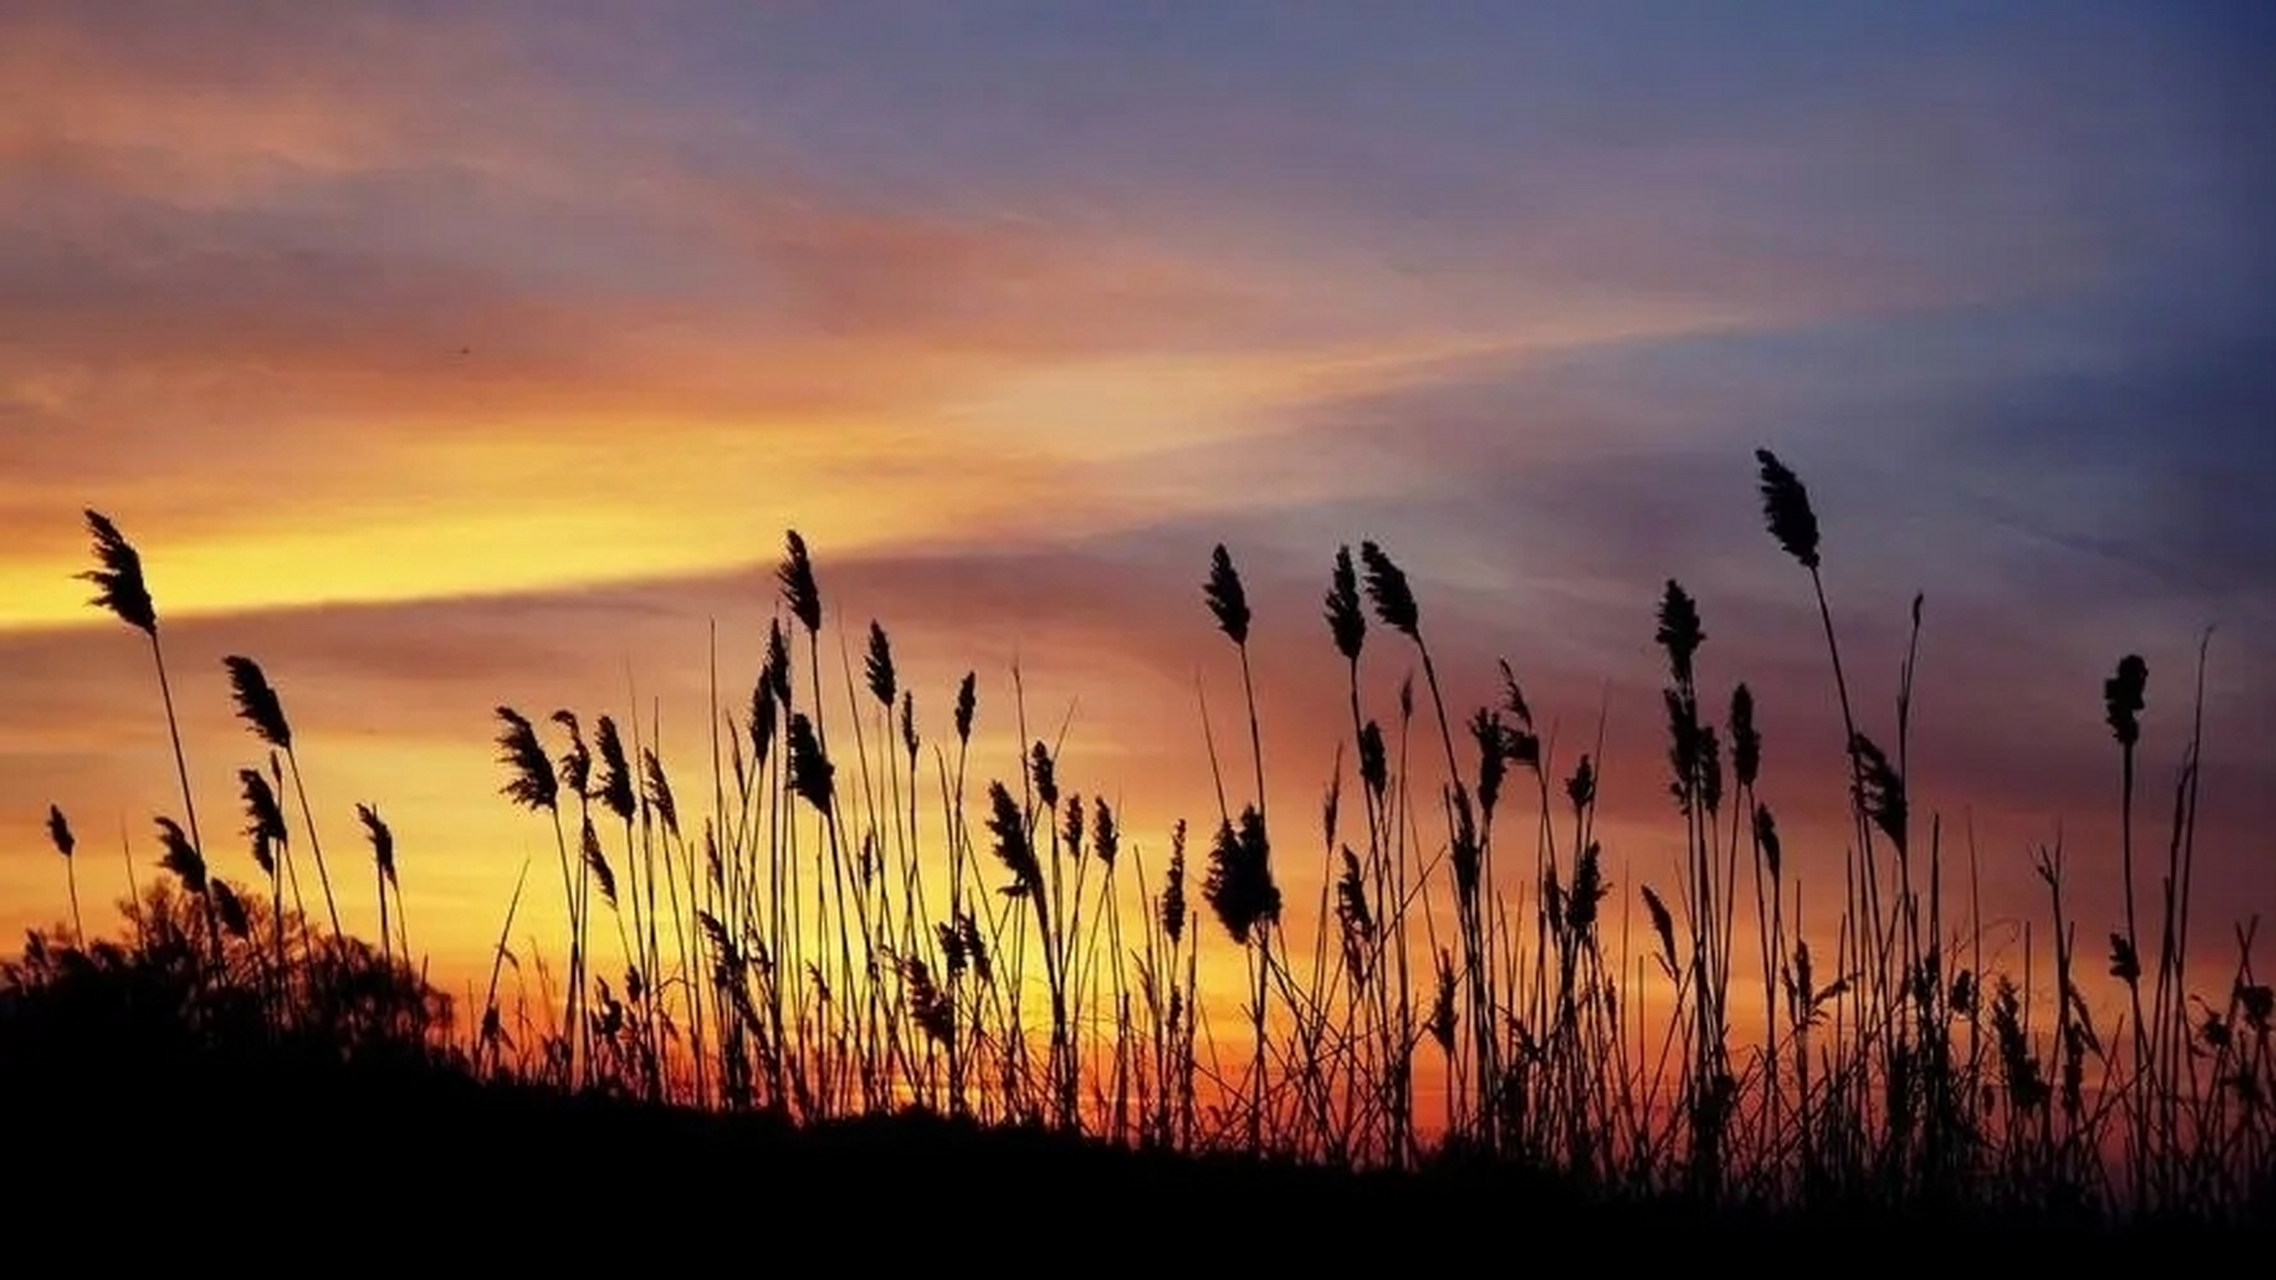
(259, 1167)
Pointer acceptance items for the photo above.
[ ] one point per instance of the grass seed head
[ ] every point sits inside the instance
(1766, 839)
(812, 775)
(1227, 600)
(257, 702)
(1587, 892)
(382, 840)
(530, 781)
(1173, 887)
(967, 700)
(1880, 790)
(1442, 1023)
(181, 858)
(658, 792)
(1746, 740)
(1786, 510)
(1388, 588)
(615, 790)
(1492, 739)
(877, 666)
(1374, 760)
(1106, 837)
(575, 768)
(264, 817)
(2122, 699)
(1045, 774)
(765, 712)
(1680, 634)
(799, 590)
(1347, 624)
(1353, 914)
(1513, 697)
(230, 909)
(117, 575)
(1663, 927)
(1013, 848)
(1580, 788)
(597, 863)
(776, 669)
(1072, 828)
(1240, 887)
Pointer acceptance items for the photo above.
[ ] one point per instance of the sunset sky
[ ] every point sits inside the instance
(448, 355)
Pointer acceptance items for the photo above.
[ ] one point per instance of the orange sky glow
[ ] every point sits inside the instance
(444, 363)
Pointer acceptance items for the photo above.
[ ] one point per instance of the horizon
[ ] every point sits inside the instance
(443, 360)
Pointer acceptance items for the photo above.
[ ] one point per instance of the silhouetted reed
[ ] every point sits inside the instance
(59, 835)
(121, 591)
(262, 710)
(532, 784)
(815, 947)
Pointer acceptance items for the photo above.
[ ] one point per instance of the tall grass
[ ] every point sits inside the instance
(818, 946)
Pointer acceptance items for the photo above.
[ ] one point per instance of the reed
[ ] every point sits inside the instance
(821, 946)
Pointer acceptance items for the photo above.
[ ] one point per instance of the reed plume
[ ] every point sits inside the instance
(2123, 701)
(181, 857)
(121, 590)
(1173, 904)
(1680, 633)
(1240, 888)
(614, 790)
(530, 779)
(533, 783)
(59, 834)
(119, 585)
(812, 776)
(265, 828)
(967, 699)
(1013, 847)
(575, 768)
(1393, 597)
(230, 910)
(1106, 836)
(262, 709)
(257, 702)
(1347, 624)
(597, 864)
(1228, 602)
(658, 792)
(1881, 791)
(1786, 510)
(1746, 740)
(263, 815)
(1793, 523)
(877, 666)
(1241, 891)
(383, 865)
(799, 589)
(382, 839)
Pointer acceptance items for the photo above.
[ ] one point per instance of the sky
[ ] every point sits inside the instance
(450, 356)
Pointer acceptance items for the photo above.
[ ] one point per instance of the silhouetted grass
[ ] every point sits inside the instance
(814, 954)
